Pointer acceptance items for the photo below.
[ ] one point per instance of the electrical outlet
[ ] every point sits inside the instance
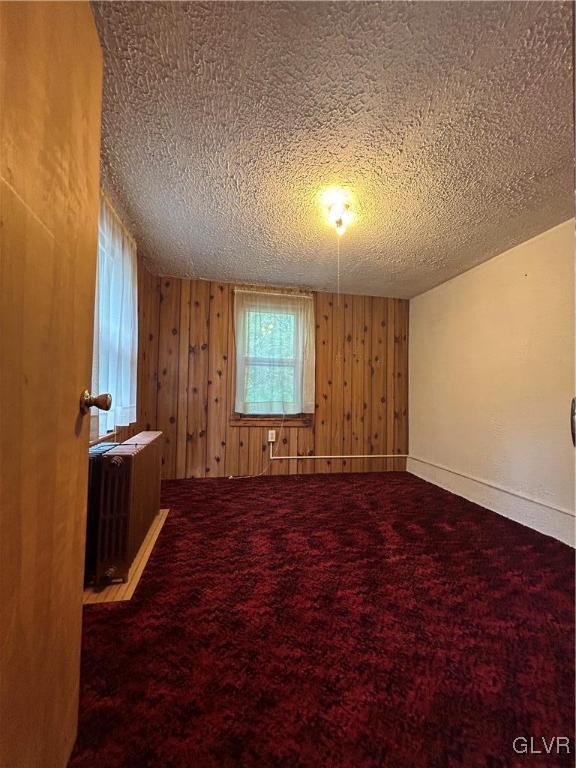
(271, 435)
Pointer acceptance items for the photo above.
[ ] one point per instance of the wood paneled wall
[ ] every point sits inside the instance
(361, 386)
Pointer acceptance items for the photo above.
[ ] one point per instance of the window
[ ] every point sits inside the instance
(275, 336)
(115, 354)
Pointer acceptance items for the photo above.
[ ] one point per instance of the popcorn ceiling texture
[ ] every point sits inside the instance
(451, 123)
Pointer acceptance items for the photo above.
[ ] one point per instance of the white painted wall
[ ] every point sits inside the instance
(491, 380)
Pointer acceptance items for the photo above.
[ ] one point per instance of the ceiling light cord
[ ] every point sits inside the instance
(338, 271)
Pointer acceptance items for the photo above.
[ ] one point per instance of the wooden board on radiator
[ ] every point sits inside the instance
(114, 593)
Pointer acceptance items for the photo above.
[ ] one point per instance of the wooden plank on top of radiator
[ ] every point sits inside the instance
(143, 438)
(124, 591)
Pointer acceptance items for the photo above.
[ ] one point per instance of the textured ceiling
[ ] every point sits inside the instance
(450, 123)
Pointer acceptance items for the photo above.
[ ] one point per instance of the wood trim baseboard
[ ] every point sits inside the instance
(549, 520)
(495, 486)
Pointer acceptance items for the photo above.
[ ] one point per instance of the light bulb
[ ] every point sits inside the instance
(338, 211)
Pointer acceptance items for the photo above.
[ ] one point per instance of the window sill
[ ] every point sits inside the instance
(271, 421)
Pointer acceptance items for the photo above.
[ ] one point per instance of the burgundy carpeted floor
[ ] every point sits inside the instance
(336, 621)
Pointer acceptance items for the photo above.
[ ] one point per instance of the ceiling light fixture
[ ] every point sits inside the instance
(338, 209)
(337, 205)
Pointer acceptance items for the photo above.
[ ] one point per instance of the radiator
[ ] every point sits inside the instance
(95, 455)
(128, 501)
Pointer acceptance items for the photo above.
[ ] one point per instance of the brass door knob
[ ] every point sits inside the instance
(87, 401)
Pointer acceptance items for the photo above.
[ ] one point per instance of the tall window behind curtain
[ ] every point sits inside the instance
(115, 360)
(275, 350)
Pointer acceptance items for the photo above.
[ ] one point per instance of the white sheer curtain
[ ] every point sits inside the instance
(115, 360)
(275, 349)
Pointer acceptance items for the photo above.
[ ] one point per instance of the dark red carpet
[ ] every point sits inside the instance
(337, 621)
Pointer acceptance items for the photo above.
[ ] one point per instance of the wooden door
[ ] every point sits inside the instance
(50, 101)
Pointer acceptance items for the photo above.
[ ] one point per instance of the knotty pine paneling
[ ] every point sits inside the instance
(367, 384)
(183, 378)
(337, 382)
(218, 414)
(361, 386)
(196, 414)
(168, 379)
(305, 441)
(358, 358)
(378, 358)
(148, 327)
(392, 340)
(323, 415)
(400, 380)
(347, 384)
